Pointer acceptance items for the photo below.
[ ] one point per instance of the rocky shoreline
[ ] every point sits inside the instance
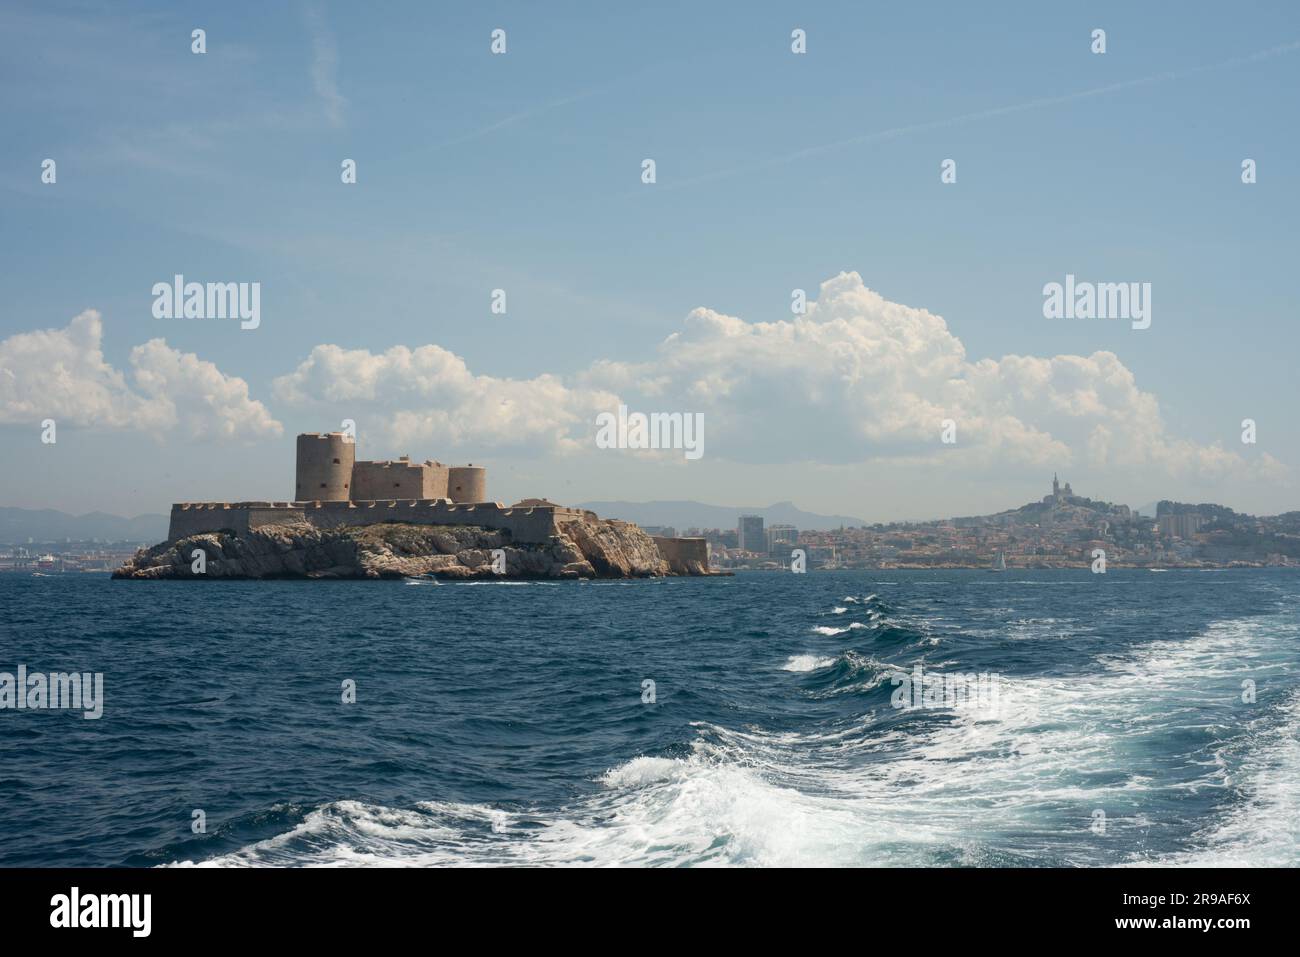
(583, 549)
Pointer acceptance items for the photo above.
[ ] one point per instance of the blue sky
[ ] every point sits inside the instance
(775, 171)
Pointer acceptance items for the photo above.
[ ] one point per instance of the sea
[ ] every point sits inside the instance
(1140, 719)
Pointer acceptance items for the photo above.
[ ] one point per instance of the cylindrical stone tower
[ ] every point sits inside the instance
(324, 467)
(467, 483)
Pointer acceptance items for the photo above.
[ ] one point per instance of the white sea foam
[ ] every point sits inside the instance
(1263, 829)
(695, 811)
(828, 630)
(949, 788)
(641, 771)
(807, 663)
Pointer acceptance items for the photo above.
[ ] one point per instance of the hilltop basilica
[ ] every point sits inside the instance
(1059, 495)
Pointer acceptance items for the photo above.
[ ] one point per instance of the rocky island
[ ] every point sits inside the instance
(435, 524)
(395, 550)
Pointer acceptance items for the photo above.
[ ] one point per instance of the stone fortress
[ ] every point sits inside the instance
(333, 490)
(327, 472)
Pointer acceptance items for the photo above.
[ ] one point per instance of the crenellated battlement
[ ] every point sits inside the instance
(531, 523)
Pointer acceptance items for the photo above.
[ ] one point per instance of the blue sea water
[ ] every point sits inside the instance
(504, 723)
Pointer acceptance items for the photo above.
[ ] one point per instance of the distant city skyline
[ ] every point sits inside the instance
(671, 518)
(862, 328)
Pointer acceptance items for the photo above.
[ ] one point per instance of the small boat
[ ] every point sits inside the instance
(1001, 564)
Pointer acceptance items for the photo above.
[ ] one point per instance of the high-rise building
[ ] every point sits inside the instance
(780, 537)
(749, 534)
(1181, 525)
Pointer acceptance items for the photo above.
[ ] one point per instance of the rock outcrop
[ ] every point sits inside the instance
(584, 549)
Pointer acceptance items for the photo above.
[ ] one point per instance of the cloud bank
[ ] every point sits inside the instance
(429, 394)
(61, 374)
(855, 379)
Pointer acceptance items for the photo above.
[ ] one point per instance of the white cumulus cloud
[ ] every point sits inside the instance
(62, 374)
(859, 378)
(856, 379)
(430, 394)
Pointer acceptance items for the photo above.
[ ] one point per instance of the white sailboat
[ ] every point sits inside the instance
(1001, 564)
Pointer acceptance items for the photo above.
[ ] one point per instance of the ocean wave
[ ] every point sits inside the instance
(1020, 783)
(696, 811)
(641, 771)
(1262, 827)
(807, 663)
(850, 674)
(830, 631)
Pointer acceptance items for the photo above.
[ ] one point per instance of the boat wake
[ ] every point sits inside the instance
(1081, 769)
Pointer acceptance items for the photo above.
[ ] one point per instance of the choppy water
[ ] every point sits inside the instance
(504, 723)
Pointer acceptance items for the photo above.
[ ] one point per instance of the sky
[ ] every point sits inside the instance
(774, 171)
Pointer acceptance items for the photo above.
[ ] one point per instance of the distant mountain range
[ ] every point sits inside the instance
(683, 515)
(17, 525)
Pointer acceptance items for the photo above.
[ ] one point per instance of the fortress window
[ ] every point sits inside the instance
(336, 461)
(322, 484)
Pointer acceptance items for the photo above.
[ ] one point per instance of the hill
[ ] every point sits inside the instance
(17, 525)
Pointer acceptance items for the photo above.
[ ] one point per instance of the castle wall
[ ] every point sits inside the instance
(378, 481)
(194, 519)
(534, 524)
(436, 481)
(681, 553)
(239, 517)
(332, 489)
(324, 467)
(467, 483)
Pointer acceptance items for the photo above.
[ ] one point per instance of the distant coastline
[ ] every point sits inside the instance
(1062, 530)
